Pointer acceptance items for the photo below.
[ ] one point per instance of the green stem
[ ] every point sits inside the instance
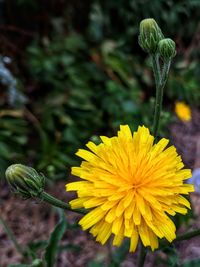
(142, 256)
(188, 235)
(58, 203)
(11, 236)
(165, 72)
(156, 69)
(160, 80)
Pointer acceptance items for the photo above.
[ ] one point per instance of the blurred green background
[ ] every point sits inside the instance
(73, 70)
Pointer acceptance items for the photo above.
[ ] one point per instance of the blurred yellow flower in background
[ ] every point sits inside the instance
(130, 185)
(183, 111)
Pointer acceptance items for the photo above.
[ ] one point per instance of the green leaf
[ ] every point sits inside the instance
(56, 236)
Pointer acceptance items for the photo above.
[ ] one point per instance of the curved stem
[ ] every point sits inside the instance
(58, 203)
(142, 256)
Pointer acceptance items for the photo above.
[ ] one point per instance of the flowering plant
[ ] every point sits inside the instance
(131, 184)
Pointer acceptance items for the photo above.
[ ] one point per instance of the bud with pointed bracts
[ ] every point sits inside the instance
(150, 35)
(167, 49)
(25, 180)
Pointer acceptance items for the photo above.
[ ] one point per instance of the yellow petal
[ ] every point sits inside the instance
(91, 218)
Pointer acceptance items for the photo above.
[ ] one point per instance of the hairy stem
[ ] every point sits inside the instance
(156, 69)
(160, 80)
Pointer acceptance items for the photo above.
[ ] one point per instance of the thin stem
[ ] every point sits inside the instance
(142, 256)
(158, 108)
(165, 72)
(157, 76)
(11, 236)
(156, 68)
(188, 235)
(160, 80)
(58, 203)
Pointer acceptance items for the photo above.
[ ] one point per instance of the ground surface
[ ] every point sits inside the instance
(34, 221)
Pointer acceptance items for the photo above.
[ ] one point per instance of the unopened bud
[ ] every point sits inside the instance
(150, 35)
(25, 180)
(167, 48)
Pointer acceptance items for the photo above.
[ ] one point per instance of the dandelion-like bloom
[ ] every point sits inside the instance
(183, 111)
(130, 186)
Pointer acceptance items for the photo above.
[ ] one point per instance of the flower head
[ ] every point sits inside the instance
(130, 186)
(183, 111)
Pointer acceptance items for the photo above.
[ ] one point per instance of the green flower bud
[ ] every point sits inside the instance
(167, 48)
(25, 180)
(150, 35)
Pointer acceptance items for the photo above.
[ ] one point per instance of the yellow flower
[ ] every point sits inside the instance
(183, 111)
(130, 185)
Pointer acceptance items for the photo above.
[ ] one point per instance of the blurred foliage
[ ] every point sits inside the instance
(184, 84)
(80, 72)
(85, 93)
